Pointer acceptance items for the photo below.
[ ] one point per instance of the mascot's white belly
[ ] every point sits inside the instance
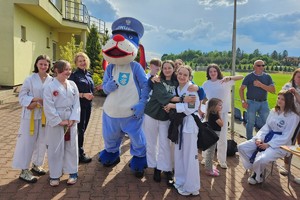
(117, 107)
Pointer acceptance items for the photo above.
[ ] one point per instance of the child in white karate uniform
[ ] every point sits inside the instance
(264, 148)
(187, 173)
(62, 109)
(31, 145)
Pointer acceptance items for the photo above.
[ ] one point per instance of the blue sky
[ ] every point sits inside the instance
(172, 26)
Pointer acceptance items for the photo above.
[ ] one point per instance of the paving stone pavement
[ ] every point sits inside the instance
(98, 182)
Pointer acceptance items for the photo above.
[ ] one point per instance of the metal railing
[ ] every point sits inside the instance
(79, 13)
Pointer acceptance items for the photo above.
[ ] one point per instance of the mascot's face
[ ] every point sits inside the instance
(122, 48)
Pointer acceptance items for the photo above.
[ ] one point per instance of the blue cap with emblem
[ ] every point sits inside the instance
(128, 24)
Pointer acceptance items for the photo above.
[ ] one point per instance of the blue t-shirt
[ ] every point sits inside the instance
(257, 93)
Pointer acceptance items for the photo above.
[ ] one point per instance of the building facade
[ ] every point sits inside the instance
(33, 27)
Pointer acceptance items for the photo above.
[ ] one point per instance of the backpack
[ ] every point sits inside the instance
(231, 147)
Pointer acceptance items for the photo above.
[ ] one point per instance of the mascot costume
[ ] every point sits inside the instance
(127, 90)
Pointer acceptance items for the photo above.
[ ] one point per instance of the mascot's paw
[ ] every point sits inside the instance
(110, 86)
(109, 159)
(138, 164)
(138, 110)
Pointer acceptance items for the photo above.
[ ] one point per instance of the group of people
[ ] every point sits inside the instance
(281, 124)
(67, 107)
(55, 115)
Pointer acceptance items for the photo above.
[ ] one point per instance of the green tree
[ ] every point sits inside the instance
(68, 51)
(93, 47)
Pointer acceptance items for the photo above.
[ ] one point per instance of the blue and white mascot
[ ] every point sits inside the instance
(125, 84)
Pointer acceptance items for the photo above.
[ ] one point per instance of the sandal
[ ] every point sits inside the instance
(212, 173)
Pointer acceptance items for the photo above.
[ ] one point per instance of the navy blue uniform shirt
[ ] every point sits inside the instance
(85, 84)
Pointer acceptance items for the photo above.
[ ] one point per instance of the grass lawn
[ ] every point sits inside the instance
(279, 79)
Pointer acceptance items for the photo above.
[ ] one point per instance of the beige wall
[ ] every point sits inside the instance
(36, 44)
(6, 53)
(42, 20)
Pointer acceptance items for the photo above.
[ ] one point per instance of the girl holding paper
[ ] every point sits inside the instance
(62, 109)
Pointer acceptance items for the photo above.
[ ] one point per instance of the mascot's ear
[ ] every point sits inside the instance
(142, 56)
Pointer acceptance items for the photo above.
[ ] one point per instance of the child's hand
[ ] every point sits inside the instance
(71, 122)
(32, 105)
(64, 123)
(155, 79)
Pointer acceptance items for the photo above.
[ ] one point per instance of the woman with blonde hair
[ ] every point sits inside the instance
(84, 81)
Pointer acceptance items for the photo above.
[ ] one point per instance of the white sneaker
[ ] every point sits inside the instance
(27, 176)
(297, 180)
(283, 172)
(203, 162)
(54, 182)
(185, 193)
(223, 165)
(252, 180)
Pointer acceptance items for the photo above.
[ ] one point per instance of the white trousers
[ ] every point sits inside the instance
(29, 148)
(62, 155)
(187, 172)
(222, 142)
(262, 159)
(158, 145)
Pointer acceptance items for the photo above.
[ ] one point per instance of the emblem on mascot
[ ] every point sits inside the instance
(123, 78)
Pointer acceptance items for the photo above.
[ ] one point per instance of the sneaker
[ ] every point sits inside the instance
(84, 159)
(215, 169)
(169, 176)
(283, 171)
(185, 193)
(27, 176)
(297, 180)
(38, 170)
(156, 175)
(252, 179)
(212, 173)
(223, 165)
(203, 162)
(54, 182)
(72, 179)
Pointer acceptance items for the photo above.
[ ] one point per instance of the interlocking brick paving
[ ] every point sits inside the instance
(118, 182)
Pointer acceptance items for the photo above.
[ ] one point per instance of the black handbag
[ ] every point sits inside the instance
(206, 135)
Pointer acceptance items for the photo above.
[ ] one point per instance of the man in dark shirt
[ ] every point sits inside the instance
(258, 84)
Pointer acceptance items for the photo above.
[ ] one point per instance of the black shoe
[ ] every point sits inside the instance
(156, 175)
(84, 159)
(139, 174)
(169, 176)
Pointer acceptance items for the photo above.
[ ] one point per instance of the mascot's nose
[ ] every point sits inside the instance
(118, 38)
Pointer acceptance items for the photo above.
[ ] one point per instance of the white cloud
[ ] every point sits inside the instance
(172, 26)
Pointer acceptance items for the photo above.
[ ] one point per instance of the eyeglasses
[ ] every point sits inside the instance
(260, 65)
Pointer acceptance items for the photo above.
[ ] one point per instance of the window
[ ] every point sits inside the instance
(23, 34)
(77, 40)
(54, 51)
(48, 43)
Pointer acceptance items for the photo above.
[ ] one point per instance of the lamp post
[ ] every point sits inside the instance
(233, 69)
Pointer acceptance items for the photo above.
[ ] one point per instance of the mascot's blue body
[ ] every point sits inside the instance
(127, 90)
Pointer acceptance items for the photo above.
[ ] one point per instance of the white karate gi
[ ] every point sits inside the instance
(285, 123)
(187, 174)
(30, 148)
(61, 104)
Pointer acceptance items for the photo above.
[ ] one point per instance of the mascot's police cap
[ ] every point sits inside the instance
(128, 24)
